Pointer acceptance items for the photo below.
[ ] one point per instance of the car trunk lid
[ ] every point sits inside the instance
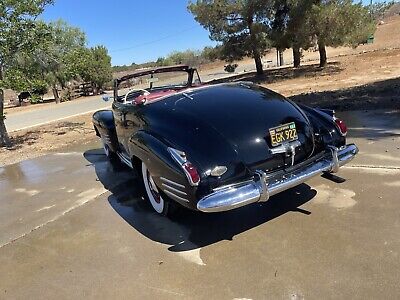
(243, 114)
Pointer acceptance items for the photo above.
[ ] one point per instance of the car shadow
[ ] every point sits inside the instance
(188, 230)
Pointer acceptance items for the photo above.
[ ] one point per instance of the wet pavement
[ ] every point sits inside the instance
(72, 226)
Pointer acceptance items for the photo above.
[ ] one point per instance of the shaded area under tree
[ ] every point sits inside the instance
(377, 95)
(285, 73)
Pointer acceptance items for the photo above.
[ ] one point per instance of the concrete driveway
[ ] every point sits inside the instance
(73, 227)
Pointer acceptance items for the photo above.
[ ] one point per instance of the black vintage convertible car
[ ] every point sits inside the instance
(216, 147)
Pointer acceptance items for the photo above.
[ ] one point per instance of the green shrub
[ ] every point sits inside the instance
(230, 68)
(35, 98)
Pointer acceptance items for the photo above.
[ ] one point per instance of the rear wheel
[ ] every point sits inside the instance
(159, 202)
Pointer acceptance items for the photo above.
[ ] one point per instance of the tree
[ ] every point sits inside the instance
(290, 27)
(24, 75)
(378, 10)
(102, 72)
(239, 25)
(95, 67)
(298, 24)
(60, 57)
(55, 55)
(17, 33)
(339, 22)
(211, 53)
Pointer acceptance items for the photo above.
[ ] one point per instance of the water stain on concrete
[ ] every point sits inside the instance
(30, 193)
(192, 256)
(45, 208)
(384, 157)
(335, 197)
(376, 170)
(393, 183)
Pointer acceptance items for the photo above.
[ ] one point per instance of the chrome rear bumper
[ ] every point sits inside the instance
(262, 187)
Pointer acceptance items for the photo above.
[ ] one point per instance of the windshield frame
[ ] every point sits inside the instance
(183, 68)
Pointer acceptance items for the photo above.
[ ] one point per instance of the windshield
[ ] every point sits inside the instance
(149, 86)
(159, 81)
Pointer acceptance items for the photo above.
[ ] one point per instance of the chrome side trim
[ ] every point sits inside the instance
(106, 138)
(176, 197)
(125, 160)
(187, 96)
(172, 182)
(262, 187)
(178, 156)
(173, 189)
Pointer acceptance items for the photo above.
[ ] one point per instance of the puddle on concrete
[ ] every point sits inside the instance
(41, 190)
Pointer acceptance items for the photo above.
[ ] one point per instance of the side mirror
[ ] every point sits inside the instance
(107, 98)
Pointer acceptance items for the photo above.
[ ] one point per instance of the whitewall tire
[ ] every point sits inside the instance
(154, 196)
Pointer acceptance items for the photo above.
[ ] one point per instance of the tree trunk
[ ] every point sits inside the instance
(322, 55)
(277, 57)
(56, 95)
(259, 66)
(4, 138)
(296, 56)
(96, 89)
(255, 50)
(281, 61)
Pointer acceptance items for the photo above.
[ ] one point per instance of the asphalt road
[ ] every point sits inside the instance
(50, 113)
(73, 227)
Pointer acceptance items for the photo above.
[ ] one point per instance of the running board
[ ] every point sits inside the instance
(125, 159)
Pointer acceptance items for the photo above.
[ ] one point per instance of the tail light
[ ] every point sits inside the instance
(188, 168)
(341, 125)
(191, 173)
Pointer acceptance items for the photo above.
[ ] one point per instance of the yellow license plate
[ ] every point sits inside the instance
(283, 133)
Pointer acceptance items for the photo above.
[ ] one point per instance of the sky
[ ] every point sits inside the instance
(134, 31)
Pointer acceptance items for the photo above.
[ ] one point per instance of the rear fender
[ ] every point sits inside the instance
(323, 123)
(103, 122)
(163, 168)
